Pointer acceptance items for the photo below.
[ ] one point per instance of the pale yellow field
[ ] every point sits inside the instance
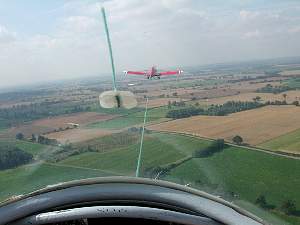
(255, 126)
(291, 73)
(291, 96)
(78, 135)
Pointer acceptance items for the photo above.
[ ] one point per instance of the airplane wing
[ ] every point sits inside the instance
(171, 72)
(135, 72)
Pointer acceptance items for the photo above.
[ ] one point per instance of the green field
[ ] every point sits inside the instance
(35, 149)
(32, 177)
(131, 119)
(236, 174)
(123, 160)
(245, 173)
(288, 142)
(294, 83)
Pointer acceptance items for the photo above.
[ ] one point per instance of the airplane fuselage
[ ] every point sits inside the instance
(153, 73)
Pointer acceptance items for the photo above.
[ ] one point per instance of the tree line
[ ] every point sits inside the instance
(288, 207)
(11, 157)
(274, 89)
(214, 110)
(23, 113)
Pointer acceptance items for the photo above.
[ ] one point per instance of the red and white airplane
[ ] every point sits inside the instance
(153, 72)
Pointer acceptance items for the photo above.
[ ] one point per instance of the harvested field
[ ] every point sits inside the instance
(255, 126)
(291, 73)
(48, 125)
(291, 96)
(78, 135)
(160, 102)
(78, 118)
(251, 87)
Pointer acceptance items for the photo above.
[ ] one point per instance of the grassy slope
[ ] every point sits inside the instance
(33, 148)
(246, 173)
(32, 177)
(123, 160)
(288, 142)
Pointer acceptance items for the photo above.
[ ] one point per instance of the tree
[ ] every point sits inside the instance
(288, 207)
(296, 103)
(20, 136)
(257, 99)
(284, 96)
(33, 138)
(261, 201)
(237, 139)
(169, 105)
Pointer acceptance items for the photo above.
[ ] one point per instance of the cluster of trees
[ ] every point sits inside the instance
(232, 107)
(274, 89)
(288, 207)
(175, 103)
(185, 112)
(44, 140)
(214, 110)
(38, 138)
(11, 157)
(216, 146)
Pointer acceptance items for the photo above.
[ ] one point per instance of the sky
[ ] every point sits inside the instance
(61, 39)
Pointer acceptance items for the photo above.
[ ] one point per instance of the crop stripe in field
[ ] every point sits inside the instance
(84, 168)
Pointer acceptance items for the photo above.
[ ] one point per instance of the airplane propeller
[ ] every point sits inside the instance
(115, 98)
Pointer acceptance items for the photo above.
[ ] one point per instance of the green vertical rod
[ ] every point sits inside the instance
(110, 48)
(137, 172)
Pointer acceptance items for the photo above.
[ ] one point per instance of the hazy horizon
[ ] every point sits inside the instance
(58, 40)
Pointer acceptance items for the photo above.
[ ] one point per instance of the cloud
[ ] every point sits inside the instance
(252, 34)
(6, 36)
(167, 33)
(248, 15)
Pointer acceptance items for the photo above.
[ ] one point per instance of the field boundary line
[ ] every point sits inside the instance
(278, 153)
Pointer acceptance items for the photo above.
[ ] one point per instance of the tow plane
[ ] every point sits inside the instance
(153, 73)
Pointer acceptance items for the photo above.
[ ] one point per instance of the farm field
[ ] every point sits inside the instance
(114, 159)
(78, 118)
(291, 97)
(254, 126)
(160, 102)
(233, 170)
(48, 125)
(288, 142)
(245, 173)
(291, 73)
(78, 135)
(247, 86)
(32, 148)
(136, 118)
(15, 181)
